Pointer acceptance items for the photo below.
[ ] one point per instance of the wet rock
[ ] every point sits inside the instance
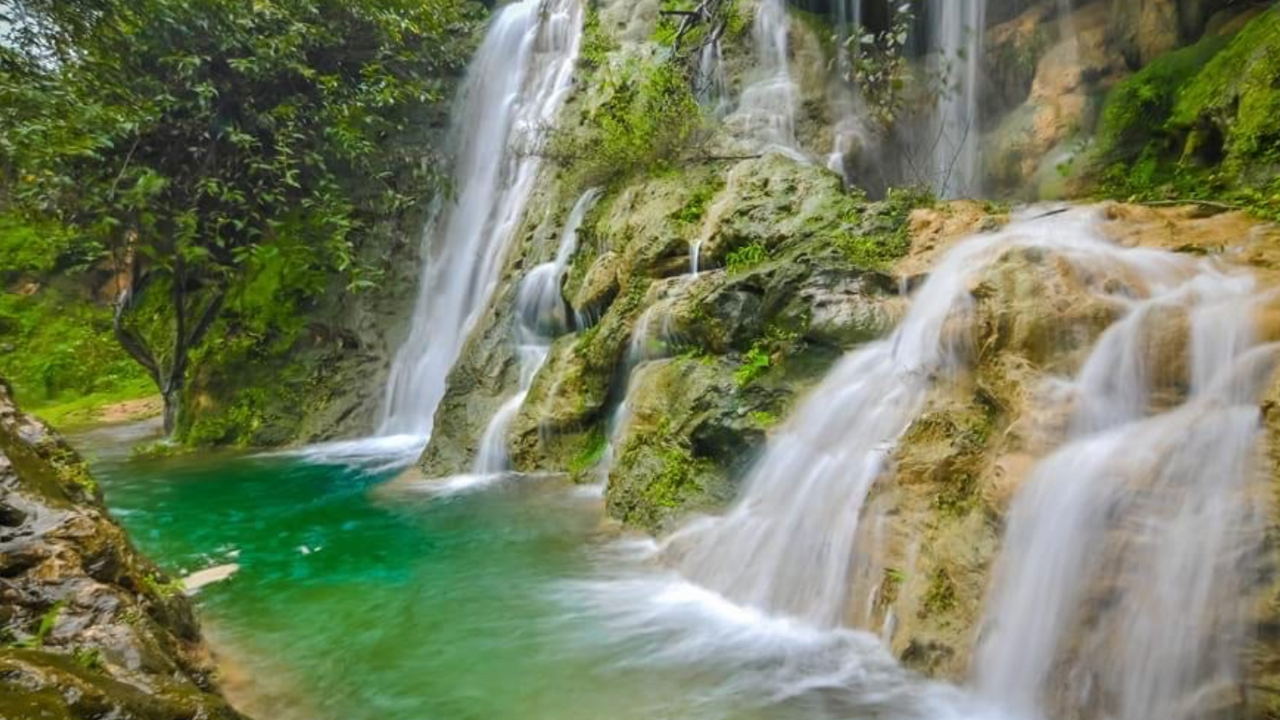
(90, 628)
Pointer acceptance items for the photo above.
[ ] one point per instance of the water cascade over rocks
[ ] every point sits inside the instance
(541, 315)
(515, 86)
(1128, 546)
(1119, 593)
(767, 108)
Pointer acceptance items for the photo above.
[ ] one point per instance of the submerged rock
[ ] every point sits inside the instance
(88, 628)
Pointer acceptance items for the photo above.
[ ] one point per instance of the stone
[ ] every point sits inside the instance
(119, 640)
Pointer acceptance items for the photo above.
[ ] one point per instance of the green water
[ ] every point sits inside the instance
(355, 603)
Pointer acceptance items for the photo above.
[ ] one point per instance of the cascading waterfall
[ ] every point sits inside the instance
(1128, 547)
(955, 33)
(514, 88)
(1176, 482)
(540, 316)
(768, 103)
(795, 524)
(712, 85)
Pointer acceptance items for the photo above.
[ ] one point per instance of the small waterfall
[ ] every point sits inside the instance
(515, 87)
(955, 36)
(768, 103)
(541, 315)
(1128, 547)
(795, 524)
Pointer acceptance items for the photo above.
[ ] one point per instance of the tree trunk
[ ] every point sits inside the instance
(172, 408)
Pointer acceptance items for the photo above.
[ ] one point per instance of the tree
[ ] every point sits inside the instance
(184, 136)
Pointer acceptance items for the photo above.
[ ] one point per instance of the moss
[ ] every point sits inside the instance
(1200, 123)
(161, 588)
(940, 597)
(592, 453)
(642, 120)
(695, 208)
(874, 236)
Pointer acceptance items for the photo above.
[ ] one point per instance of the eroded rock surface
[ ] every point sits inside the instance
(88, 628)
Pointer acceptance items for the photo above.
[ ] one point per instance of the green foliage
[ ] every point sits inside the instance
(746, 257)
(57, 349)
(878, 235)
(765, 353)
(1200, 123)
(763, 419)
(234, 425)
(647, 119)
(755, 363)
(48, 622)
(879, 65)
(30, 249)
(596, 42)
(89, 658)
(184, 136)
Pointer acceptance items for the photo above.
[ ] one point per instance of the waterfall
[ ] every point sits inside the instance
(848, 135)
(541, 315)
(787, 545)
(768, 103)
(712, 85)
(796, 521)
(1128, 547)
(514, 87)
(955, 35)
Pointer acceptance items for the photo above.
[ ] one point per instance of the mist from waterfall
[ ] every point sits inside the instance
(515, 86)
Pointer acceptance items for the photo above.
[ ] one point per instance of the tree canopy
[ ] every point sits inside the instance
(183, 138)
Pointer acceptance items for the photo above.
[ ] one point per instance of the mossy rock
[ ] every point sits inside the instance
(1201, 122)
(90, 628)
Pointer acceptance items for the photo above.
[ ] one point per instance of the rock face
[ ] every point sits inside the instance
(671, 379)
(1051, 69)
(88, 628)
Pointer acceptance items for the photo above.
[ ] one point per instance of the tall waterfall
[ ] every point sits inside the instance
(1128, 547)
(955, 34)
(515, 86)
(541, 315)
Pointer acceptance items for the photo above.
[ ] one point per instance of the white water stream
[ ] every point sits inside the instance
(515, 86)
(541, 315)
(767, 108)
(955, 33)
